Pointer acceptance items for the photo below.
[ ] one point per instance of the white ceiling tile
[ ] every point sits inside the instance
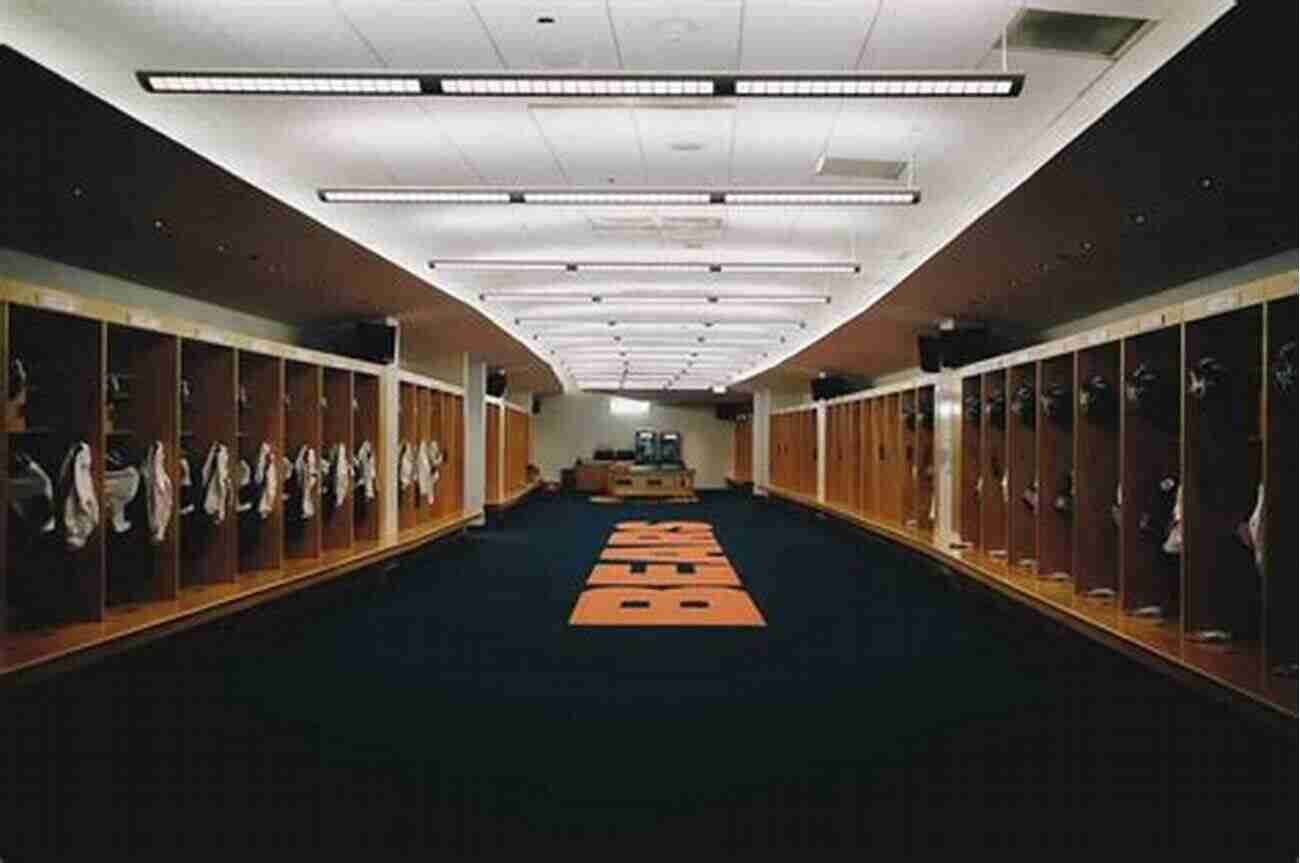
(778, 141)
(423, 36)
(687, 146)
(502, 141)
(579, 38)
(595, 145)
(676, 35)
(936, 34)
(295, 34)
(152, 33)
(830, 34)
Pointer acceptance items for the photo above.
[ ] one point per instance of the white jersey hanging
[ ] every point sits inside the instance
(158, 492)
(80, 507)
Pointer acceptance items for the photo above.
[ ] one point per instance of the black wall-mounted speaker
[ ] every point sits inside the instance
(537, 404)
(731, 411)
(496, 384)
(831, 386)
(930, 350)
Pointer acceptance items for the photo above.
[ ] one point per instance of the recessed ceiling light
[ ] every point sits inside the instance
(159, 224)
(77, 191)
(1086, 245)
(1206, 182)
(852, 85)
(1139, 218)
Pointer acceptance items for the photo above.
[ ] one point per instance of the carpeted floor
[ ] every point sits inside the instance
(886, 706)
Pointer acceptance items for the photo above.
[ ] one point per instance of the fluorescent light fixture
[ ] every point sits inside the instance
(718, 390)
(782, 299)
(668, 324)
(803, 197)
(850, 85)
(603, 198)
(824, 198)
(412, 196)
(280, 85)
(576, 85)
(778, 267)
(896, 85)
(641, 267)
(487, 264)
(536, 297)
(617, 302)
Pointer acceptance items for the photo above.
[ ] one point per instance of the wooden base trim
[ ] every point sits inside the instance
(514, 498)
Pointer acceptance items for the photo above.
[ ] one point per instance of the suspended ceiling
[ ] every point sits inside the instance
(967, 154)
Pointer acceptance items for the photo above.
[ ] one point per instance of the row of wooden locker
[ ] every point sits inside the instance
(141, 463)
(742, 450)
(1156, 472)
(508, 444)
(878, 453)
(430, 460)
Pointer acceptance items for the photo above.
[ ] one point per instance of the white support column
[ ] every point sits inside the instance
(760, 426)
(821, 452)
(474, 380)
(947, 434)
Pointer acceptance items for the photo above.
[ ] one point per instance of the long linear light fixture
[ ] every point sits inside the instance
(489, 265)
(759, 324)
(647, 300)
(803, 197)
(830, 85)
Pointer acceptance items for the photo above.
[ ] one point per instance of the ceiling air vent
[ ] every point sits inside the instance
(1072, 32)
(860, 169)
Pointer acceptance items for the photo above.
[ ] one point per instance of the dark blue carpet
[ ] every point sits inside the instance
(887, 706)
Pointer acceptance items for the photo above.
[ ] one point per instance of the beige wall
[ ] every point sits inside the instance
(52, 274)
(573, 425)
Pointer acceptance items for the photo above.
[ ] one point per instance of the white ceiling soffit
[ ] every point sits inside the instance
(968, 153)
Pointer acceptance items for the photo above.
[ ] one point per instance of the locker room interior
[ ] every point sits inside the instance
(479, 427)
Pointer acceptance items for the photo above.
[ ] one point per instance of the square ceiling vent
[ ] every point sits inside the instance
(860, 169)
(1073, 32)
